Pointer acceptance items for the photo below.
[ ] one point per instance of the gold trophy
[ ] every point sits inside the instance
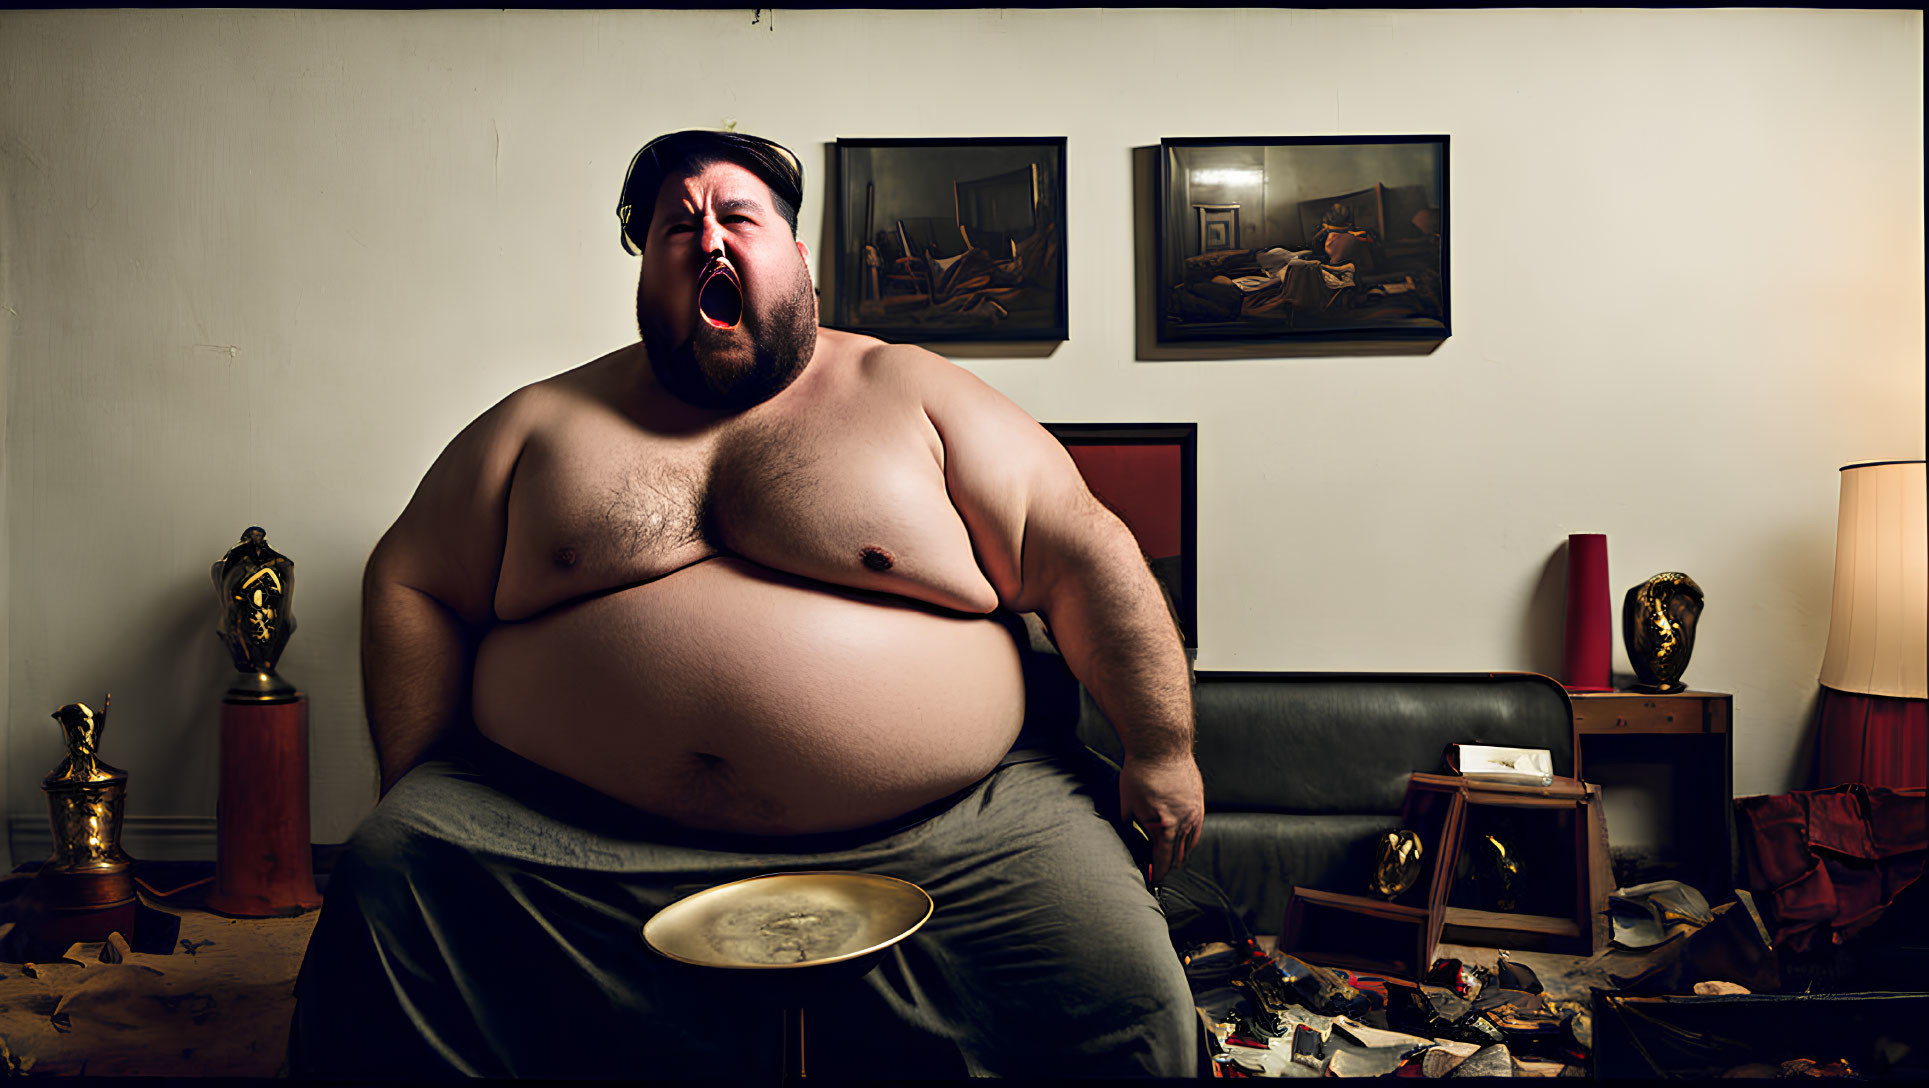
(257, 588)
(87, 884)
(263, 863)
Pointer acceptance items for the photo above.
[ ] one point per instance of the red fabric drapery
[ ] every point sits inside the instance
(1877, 740)
(1824, 863)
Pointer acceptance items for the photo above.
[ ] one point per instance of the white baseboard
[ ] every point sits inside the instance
(145, 838)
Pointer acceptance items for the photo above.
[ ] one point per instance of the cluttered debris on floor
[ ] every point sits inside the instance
(1272, 1015)
(1685, 989)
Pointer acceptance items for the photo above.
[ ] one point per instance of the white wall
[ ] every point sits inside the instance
(260, 266)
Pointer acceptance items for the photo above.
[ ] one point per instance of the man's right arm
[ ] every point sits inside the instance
(428, 593)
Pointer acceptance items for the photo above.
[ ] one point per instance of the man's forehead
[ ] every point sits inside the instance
(716, 184)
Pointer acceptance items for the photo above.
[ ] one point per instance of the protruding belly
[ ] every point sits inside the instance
(732, 697)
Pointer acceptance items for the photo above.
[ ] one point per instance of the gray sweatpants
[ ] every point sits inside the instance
(486, 920)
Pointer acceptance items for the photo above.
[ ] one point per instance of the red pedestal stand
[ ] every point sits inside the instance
(264, 865)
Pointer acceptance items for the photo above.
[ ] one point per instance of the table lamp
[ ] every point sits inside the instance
(1871, 724)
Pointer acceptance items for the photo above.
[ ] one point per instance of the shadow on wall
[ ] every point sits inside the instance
(324, 661)
(1803, 563)
(1544, 629)
(166, 671)
(184, 671)
(1804, 772)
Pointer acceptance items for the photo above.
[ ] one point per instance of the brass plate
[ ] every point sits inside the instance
(789, 920)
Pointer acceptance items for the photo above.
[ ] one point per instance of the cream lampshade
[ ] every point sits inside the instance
(1879, 622)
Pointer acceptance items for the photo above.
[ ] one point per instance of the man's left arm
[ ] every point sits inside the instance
(1047, 545)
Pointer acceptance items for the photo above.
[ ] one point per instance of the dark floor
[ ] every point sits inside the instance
(222, 1009)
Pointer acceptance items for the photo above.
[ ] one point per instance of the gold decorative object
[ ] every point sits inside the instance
(1658, 624)
(791, 932)
(1493, 870)
(85, 800)
(1399, 863)
(789, 920)
(257, 589)
(1499, 869)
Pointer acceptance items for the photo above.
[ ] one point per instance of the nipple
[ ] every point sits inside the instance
(564, 557)
(876, 558)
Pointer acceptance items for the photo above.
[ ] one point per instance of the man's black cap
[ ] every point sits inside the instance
(689, 151)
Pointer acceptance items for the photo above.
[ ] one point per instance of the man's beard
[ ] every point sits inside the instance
(782, 339)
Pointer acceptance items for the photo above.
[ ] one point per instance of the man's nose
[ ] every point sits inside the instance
(711, 238)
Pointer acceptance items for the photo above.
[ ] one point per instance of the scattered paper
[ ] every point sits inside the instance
(1375, 1037)
(1372, 1062)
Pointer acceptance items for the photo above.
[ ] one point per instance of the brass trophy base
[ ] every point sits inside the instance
(85, 889)
(81, 905)
(260, 686)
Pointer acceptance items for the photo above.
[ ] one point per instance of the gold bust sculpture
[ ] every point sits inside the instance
(84, 797)
(1658, 624)
(257, 589)
(82, 729)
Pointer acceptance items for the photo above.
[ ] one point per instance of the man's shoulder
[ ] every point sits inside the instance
(530, 405)
(885, 361)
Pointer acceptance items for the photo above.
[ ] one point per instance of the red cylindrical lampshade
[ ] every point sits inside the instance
(1588, 655)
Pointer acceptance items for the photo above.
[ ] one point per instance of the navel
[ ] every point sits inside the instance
(877, 558)
(564, 557)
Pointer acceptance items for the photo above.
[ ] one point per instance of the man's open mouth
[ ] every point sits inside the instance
(720, 297)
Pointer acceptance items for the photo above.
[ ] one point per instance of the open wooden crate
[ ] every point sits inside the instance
(1554, 831)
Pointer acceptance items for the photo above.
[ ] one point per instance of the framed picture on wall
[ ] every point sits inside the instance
(1302, 238)
(951, 239)
(1147, 474)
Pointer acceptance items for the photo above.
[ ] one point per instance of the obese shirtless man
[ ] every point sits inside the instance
(719, 603)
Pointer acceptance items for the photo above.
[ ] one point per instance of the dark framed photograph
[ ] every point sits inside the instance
(1147, 474)
(951, 239)
(1303, 238)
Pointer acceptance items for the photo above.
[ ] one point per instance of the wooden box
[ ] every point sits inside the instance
(1554, 833)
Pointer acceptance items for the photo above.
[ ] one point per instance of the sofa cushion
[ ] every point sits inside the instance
(1258, 858)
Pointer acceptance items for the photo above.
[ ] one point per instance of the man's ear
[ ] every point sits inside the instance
(803, 249)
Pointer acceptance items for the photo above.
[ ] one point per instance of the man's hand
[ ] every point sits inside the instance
(1166, 798)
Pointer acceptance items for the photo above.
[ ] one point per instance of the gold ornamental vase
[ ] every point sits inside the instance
(1658, 625)
(86, 798)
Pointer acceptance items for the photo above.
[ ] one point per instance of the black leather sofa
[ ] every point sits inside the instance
(1303, 770)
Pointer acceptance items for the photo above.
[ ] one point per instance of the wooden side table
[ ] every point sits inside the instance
(1690, 732)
